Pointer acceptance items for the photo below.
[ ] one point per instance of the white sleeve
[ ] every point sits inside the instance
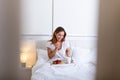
(48, 44)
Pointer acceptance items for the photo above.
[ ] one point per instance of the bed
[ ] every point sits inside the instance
(83, 66)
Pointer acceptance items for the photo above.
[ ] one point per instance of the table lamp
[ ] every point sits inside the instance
(28, 53)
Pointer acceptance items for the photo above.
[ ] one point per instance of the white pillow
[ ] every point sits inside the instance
(42, 55)
(42, 58)
(80, 55)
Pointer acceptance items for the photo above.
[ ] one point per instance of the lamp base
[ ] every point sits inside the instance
(23, 65)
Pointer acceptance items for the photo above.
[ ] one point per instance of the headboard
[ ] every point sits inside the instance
(89, 44)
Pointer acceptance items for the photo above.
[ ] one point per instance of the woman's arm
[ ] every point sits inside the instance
(51, 53)
(68, 52)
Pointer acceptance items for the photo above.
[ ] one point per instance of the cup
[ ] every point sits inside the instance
(68, 60)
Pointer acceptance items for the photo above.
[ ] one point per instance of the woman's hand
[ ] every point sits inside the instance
(58, 45)
(68, 52)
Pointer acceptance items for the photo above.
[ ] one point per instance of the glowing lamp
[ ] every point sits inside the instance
(28, 53)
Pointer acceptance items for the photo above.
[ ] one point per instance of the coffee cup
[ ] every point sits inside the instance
(68, 60)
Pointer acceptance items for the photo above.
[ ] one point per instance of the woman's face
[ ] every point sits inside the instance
(60, 35)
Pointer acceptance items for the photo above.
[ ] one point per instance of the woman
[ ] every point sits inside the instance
(57, 47)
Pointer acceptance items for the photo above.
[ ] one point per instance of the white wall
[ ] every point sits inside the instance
(36, 17)
(78, 17)
(41, 17)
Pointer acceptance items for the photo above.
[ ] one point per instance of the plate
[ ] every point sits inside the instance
(62, 64)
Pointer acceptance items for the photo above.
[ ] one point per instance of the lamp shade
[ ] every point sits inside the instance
(23, 57)
(28, 53)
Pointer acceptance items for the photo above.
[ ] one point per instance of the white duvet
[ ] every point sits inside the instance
(62, 72)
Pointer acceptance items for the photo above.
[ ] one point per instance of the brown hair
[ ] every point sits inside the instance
(57, 30)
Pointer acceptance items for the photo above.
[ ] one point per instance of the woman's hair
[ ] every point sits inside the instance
(57, 30)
